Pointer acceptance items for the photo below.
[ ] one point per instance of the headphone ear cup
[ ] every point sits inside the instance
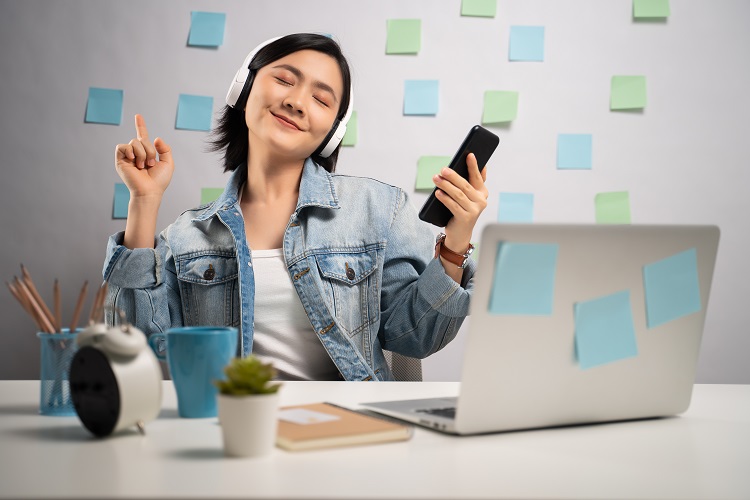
(332, 140)
(245, 93)
(239, 90)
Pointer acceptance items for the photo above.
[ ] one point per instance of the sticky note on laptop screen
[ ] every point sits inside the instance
(604, 330)
(524, 279)
(671, 288)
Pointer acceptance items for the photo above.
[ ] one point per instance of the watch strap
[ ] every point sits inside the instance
(457, 259)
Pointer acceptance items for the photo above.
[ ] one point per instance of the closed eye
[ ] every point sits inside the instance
(322, 102)
(282, 81)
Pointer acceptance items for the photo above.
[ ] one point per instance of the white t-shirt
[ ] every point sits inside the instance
(282, 332)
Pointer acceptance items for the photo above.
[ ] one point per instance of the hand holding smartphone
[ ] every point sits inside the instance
(479, 141)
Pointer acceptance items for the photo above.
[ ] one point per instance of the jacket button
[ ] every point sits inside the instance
(210, 273)
(350, 273)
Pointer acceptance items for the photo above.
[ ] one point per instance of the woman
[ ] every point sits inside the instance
(320, 272)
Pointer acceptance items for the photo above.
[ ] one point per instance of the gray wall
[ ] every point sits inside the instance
(683, 160)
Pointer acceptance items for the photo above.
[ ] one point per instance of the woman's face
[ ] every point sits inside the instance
(293, 103)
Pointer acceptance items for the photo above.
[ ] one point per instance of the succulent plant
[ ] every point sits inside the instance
(247, 376)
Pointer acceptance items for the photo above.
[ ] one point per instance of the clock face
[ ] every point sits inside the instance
(94, 389)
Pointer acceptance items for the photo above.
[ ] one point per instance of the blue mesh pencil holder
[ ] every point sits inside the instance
(57, 351)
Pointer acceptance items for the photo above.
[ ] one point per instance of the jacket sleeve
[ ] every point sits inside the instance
(422, 308)
(143, 285)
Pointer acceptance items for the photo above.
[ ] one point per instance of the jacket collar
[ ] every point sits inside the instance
(315, 190)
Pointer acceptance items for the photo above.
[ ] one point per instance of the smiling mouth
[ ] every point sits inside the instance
(286, 121)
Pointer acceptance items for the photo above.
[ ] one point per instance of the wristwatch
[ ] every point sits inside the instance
(460, 260)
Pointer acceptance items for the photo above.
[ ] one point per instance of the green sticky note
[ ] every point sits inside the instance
(122, 199)
(499, 107)
(427, 167)
(207, 29)
(210, 194)
(672, 288)
(650, 9)
(404, 36)
(104, 106)
(612, 208)
(479, 8)
(604, 330)
(524, 279)
(475, 254)
(627, 92)
(350, 137)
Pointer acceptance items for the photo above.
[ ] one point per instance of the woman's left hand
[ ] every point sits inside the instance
(465, 199)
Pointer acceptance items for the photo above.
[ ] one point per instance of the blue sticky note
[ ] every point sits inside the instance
(515, 207)
(122, 198)
(194, 112)
(574, 151)
(671, 288)
(604, 330)
(526, 43)
(421, 97)
(524, 281)
(207, 29)
(104, 106)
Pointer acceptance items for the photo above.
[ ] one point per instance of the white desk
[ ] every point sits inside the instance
(703, 454)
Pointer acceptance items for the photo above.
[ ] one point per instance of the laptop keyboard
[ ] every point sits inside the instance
(440, 412)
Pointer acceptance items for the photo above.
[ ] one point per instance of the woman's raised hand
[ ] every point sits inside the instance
(145, 175)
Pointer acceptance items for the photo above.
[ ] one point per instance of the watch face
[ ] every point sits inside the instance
(94, 389)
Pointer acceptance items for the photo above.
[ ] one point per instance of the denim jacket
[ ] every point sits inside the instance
(358, 256)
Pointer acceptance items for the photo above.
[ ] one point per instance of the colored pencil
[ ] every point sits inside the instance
(79, 306)
(44, 320)
(58, 306)
(38, 298)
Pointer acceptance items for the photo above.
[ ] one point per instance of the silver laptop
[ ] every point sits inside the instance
(575, 324)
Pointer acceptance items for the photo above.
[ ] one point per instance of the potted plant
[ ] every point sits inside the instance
(248, 403)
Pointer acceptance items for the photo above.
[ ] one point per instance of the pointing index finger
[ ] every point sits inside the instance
(141, 131)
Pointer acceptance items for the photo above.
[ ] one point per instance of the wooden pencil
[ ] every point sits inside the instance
(79, 306)
(26, 306)
(26, 303)
(58, 306)
(35, 294)
(45, 322)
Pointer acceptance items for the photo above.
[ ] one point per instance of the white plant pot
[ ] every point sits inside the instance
(248, 424)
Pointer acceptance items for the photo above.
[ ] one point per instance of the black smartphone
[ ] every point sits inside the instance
(479, 141)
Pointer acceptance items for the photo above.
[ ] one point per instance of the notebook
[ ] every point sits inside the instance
(576, 324)
(325, 425)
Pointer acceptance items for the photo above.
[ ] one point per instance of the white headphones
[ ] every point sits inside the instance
(244, 79)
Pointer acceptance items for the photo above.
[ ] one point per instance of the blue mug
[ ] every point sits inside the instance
(196, 356)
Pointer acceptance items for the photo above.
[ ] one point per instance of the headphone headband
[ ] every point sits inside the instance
(244, 79)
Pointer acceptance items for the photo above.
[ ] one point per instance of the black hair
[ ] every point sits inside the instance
(231, 134)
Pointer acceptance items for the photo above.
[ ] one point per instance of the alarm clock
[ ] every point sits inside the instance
(115, 379)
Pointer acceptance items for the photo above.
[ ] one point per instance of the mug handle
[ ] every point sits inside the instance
(152, 342)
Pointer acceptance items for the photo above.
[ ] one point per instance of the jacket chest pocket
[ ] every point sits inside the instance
(209, 288)
(351, 284)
